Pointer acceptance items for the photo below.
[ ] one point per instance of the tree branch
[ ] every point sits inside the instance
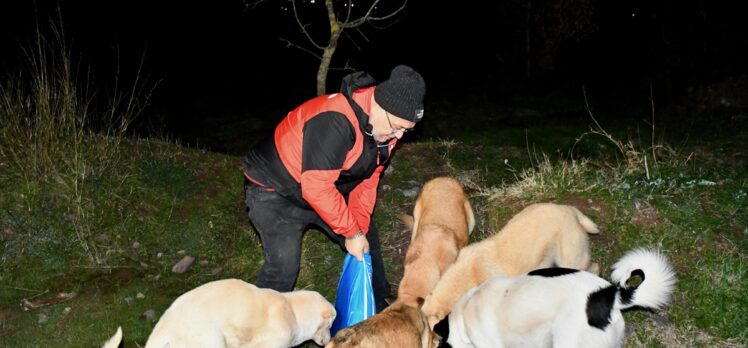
(303, 28)
(291, 44)
(252, 4)
(346, 67)
(350, 9)
(402, 7)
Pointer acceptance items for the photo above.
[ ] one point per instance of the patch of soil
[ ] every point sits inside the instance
(514, 205)
(587, 205)
(99, 276)
(736, 231)
(6, 234)
(646, 214)
(598, 213)
(695, 254)
(7, 316)
(723, 243)
(207, 174)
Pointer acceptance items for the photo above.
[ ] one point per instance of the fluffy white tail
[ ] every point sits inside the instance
(115, 341)
(657, 279)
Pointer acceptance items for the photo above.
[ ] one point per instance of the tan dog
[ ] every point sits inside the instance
(398, 325)
(541, 235)
(234, 313)
(443, 220)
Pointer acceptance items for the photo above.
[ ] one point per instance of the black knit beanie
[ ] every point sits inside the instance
(402, 94)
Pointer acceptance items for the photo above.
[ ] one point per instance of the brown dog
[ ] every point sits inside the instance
(233, 313)
(398, 325)
(541, 235)
(443, 220)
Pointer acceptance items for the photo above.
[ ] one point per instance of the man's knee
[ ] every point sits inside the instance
(278, 274)
(286, 258)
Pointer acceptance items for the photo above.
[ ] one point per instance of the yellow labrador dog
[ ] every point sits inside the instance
(442, 222)
(540, 236)
(234, 313)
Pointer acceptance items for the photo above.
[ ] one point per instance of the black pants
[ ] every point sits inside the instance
(281, 225)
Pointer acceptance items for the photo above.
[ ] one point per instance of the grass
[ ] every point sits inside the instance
(106, 216)
(178, 201)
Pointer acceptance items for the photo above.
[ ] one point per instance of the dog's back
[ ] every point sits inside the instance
(443, 220)
(234, 313)
(399, 325)
(541, 235)
(443, 202)
(217, 313)
(544, 235)
(518, 310)
(560, 307)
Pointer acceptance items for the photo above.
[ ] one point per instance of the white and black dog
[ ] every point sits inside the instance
(558, 307)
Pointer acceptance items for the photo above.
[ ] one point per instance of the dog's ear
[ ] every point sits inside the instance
(328, 313)
(420, 302)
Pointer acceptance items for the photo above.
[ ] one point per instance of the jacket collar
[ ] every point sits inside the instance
(349, 85)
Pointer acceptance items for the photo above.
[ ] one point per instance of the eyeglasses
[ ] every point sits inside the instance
(400, 129)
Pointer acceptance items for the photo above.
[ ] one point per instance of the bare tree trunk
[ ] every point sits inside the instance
(324, 65)
(336, 29)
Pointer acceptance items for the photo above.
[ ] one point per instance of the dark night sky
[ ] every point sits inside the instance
(219, 55)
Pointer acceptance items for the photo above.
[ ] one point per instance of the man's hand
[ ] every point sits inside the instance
(357, 246)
